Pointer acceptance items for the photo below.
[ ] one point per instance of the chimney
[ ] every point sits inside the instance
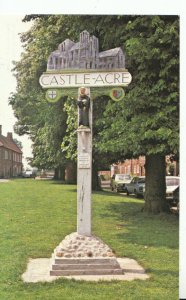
(0, 129)
(9, 135)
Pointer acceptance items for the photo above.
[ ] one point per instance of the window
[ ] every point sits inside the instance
(141, 180)
(6, 154)
(9, 155)
(83, 53)
(123, 177)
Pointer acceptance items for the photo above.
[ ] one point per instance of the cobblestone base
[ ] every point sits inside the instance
(76, 245)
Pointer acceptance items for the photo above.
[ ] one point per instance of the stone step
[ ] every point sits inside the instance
(86, 272)
(66, 261)
(84, 267)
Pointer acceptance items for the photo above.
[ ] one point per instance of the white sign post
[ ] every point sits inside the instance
(93, 78)
(84, 176)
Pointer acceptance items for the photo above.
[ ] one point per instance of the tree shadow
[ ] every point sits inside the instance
(163, 272)
(137, 227)
(54, 181)
(108, 193)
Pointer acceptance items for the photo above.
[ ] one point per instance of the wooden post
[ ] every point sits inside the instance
(84, 175)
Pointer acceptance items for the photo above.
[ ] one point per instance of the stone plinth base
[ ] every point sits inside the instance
(83, 255)
(84, 266)
(38, 270)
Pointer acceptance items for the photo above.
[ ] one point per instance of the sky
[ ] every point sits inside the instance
(10, 50)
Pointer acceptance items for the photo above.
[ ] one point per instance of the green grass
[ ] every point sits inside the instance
(37, 215)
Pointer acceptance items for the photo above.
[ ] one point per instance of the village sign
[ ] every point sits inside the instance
(81, 65)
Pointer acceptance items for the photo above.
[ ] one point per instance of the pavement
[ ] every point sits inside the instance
(38, 270)
(4, 180)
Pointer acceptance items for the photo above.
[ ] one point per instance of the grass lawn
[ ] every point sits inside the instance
(37, 215)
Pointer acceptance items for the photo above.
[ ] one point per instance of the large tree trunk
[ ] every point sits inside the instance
(96, 185)
(71, 173)
(56, 173)
(155, 185)
(59, 173)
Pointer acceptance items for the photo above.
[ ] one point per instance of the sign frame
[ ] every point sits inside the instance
(86, 78)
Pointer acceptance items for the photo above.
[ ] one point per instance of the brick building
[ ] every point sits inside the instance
(10, 156)
(130, 166)
(136, 167)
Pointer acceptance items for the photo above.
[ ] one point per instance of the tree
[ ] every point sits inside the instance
(147, 120)
(145, 123)
(18, 143)
(45, 123)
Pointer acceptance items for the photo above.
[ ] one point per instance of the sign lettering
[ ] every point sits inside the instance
(69, 80)
(84, 161)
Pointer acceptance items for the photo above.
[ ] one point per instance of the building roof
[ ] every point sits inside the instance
(9, 144)
(75, 46)
(111, 52)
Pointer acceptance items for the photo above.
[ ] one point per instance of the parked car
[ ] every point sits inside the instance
(28, 174)
(172, 191)
(136, 186)
(118, 182)
(176, 199)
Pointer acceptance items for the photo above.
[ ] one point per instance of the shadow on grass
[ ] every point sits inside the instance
(164, 272)
(114, 194)
(123, 210)
(53, 181)
(108, 193)
(72, 190)
(141, 228)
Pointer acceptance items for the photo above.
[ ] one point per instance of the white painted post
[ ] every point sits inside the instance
(84, 176)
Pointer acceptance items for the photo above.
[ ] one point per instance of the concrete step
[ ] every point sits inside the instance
(84, 267)
(86, 272)
(81, 261)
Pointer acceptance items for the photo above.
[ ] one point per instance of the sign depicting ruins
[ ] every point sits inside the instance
(106, 68)
(85, 55)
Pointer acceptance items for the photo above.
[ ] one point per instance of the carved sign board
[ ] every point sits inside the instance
(92, 79)
(84, 161)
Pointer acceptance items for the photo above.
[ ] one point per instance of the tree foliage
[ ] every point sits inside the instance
(36, 116)
(146, 122)
(148, 119)
(18, 143)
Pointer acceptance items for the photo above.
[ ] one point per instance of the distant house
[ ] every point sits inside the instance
(10, 156)
(136, 167)
(85, 55)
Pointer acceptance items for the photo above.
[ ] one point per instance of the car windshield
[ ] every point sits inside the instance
(172, 181)
(141, 180)
(122, 177)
